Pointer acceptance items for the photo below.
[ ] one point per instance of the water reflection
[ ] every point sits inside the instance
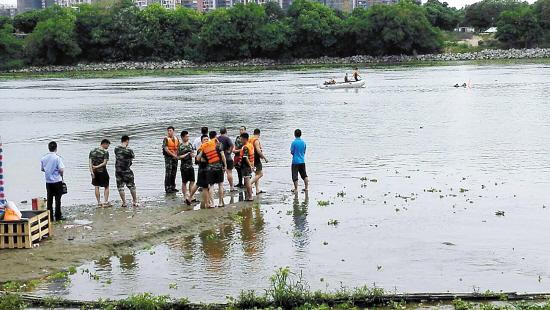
(128, 261)
(252, 231)
(299, 217)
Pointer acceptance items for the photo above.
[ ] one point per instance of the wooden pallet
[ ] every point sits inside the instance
(32, 228)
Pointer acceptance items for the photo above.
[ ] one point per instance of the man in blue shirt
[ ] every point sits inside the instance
(298, 151)
(52, 166)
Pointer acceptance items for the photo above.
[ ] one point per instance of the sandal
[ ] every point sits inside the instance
(124, 205)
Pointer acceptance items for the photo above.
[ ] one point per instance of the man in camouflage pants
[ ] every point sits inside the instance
(125, 175)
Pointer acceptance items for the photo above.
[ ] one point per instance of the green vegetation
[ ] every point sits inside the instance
(12, 301)
(519, 24)
(119, 31)
(323, 203)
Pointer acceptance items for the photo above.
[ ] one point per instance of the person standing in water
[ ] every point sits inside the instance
(98, 169)
(213, 152)
(186, 154)
(52, 166)
(298, 152)
(356, 75)
(247, 162)
(258, 155)
(123, 173)
(228, 148)
(198, 140)
(202, 180)
(237, 159)
(170, 146)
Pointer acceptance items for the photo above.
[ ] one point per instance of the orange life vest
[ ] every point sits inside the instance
(250, 149)
(210, 150)
(252, 141)
(172, 144)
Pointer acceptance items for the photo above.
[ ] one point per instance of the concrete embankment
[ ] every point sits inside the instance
(511, 54)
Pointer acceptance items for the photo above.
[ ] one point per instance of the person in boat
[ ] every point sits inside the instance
(346, 79)
(356, 75)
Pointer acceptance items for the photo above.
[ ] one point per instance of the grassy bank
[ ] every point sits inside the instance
(252, 69)
(287, 290)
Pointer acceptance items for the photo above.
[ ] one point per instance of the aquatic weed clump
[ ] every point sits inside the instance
(12, 301)
(287, 289)
(147, 301)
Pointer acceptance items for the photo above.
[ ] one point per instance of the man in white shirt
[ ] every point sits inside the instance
(198, 140)
(52, 166)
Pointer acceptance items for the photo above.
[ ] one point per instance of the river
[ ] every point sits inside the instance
(414, 171)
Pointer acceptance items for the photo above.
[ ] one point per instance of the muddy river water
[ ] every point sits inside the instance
(414, 171)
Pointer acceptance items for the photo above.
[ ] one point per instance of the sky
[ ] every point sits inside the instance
(455, 3)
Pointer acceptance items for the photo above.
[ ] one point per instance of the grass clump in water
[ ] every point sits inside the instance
(147, 301)
(288, 290)
(12, 301)
(323, 203)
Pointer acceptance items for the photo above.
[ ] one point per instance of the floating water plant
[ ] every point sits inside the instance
(341, 194)
(323, 203)
(333, 222)
(499, 213)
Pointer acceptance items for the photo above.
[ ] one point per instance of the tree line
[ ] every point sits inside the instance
(119, 31)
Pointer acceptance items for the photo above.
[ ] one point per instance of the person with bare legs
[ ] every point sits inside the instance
(298, 152)
(247, 164)
(237, 159)
(98, 169)
(202, 180)
(258, 156)
(123, 173)
(186, 154)
(212, 151)
(228, 148)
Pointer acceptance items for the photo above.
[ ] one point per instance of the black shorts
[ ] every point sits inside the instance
(298, 168)
(202, 178)
(187, 174)
(215, 175)
(101, 179)
(246, 171)
(230, 165)
(258, 165)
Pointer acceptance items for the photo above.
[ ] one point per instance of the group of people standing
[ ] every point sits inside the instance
(215, 155)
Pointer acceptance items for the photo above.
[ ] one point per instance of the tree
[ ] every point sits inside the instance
(441, 15)
(26, 22)
(394, 29)
(53, 41)
(5, 20)
(316, 29)
(484, 14)
(10, 48)
(519, 28)
(274, 11)
(231, 33)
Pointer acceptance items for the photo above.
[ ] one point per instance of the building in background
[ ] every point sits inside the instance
(368, 3)
(7, 10)
(28, 5)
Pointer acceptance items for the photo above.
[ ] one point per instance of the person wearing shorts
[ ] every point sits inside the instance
(202, 180)
(186, 154)
(123, 173)
(298, 152)
(228, 148)
(212, 151)
(237, 159)
(98, 159)
(258, 156)
(247, 162)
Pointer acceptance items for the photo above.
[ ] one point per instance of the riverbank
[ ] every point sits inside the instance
(91, 233)
(185, 67)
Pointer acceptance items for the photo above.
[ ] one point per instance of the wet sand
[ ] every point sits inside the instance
(113, 231)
